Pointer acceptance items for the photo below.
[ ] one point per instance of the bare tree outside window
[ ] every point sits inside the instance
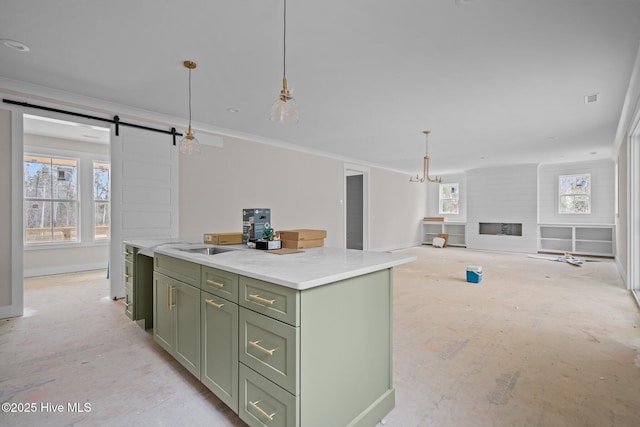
(449, 197)
(575, 194)
(51, 209)
(102, 200)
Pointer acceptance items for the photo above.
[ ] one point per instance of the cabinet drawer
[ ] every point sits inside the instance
(270, 348)
(262, 403)
(129, 252)
(220, 283)
(275, 301)
(185, 271)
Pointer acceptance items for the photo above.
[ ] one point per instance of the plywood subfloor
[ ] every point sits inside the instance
(536, 343)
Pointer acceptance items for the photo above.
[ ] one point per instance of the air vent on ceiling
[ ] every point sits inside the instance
(590, 99)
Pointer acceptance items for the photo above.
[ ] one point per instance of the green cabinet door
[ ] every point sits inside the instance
(186, 306)
(163, 318)
(219, 331)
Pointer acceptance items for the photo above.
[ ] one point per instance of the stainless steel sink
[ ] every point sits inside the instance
(206, 251)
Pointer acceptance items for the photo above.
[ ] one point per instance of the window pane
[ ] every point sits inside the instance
(65, 221)
(37, 221)
(574, 204)
(100, 181)
(101, 197)
(37, 177)
(102, 221)
(65, 179)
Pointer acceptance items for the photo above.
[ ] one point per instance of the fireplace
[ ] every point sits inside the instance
(501, 228)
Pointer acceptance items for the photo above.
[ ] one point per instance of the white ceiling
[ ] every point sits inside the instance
(496, 81)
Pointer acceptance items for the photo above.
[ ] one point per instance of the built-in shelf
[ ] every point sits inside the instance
(593, 239)
(456, 232)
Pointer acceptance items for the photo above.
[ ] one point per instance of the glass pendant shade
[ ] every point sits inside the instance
(284, 109)
(189, 144)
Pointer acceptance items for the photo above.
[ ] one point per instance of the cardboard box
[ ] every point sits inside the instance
(302, 234)
(444, 236)
(302, 244)
(254, 221)
(268, 244)
(223, 238)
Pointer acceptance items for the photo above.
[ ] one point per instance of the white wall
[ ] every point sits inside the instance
(397, 209)
(602, 192)
(503, 195)
(303, 191)
(5, 208)
(86, 254)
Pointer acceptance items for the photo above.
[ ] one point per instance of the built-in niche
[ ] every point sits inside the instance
(501, 228)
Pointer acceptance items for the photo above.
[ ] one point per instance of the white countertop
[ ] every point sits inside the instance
(304, 270)
(147, 246)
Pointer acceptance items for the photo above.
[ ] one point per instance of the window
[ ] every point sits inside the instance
(448, 198)
(575, 194)
(51, 209)
(101, 200)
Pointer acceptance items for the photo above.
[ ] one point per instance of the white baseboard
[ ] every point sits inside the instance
(61, 269)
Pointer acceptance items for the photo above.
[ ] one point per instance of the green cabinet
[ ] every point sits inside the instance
(278, 356)
(317, 357)
(177, 320)
(219, 329)
(138, 282)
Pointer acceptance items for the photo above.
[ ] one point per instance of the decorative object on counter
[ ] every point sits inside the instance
(284, 109)
(425, 174)
(268, 244)
(189, 144)
(302, 238)
(268, 233)
(223, 238)
(253, 223)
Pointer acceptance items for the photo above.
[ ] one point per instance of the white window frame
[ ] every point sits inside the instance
(77, 200)
(586, 195)
(441, 199)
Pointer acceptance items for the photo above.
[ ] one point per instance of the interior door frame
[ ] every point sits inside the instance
(351, 170)
(633, 208)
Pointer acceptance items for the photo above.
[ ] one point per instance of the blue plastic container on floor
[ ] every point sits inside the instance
(474, 273)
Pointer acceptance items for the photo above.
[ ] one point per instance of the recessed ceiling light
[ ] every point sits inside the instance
(15, 45)
(593, 152)
(233, 110)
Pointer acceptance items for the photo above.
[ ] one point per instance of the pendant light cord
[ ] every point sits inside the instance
(284, 42)
(189, 96)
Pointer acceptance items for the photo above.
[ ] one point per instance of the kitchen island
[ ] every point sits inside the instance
(302, 339)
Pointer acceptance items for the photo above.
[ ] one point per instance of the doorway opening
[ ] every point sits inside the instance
(356, 207)
(66, 196)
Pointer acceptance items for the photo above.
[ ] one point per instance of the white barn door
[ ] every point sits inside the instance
(144, 193)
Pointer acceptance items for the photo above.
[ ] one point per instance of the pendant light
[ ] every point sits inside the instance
(284, 109)
(189, 144)
(425, 175)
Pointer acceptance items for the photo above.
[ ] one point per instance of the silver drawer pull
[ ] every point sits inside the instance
(258, 298)
(214, 283)
(210, 302)
(262, 412)
(257, 346)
